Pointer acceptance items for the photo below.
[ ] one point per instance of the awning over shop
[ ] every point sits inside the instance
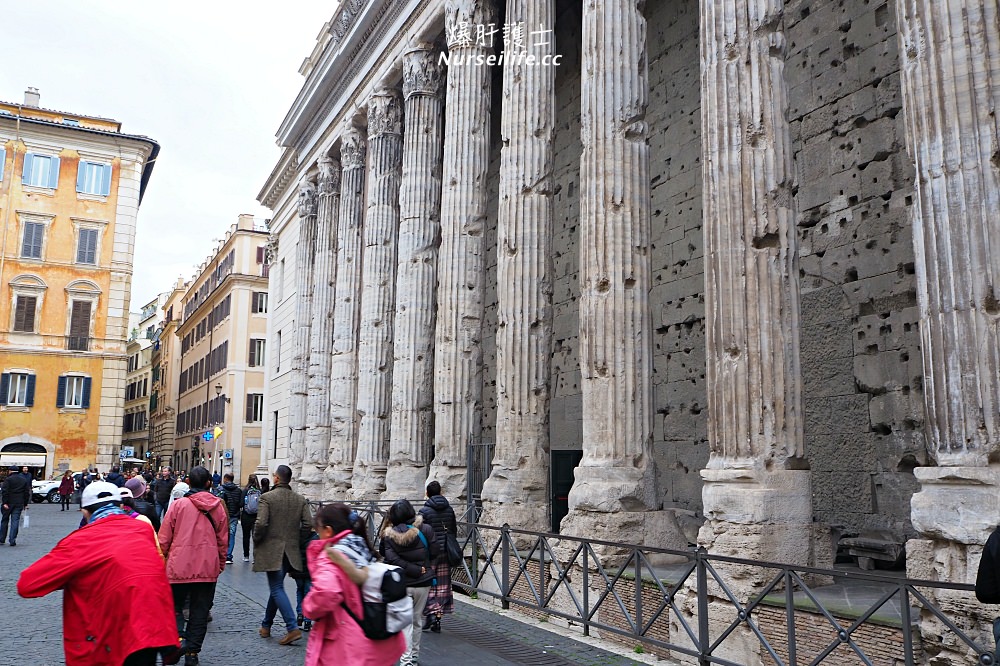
(22, 460)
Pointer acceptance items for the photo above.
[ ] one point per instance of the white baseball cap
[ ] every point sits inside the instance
(99, 492)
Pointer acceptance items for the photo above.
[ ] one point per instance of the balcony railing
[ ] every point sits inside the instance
(693, 606)
(77, 343)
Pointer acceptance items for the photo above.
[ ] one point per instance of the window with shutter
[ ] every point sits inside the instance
(86, 249)
(31, 241)
(4, 387)
(79, 326)
(17, 393)
(40, 171)
(24, 313)
(93, 178)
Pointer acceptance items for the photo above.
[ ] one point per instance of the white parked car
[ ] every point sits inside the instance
(45, 490)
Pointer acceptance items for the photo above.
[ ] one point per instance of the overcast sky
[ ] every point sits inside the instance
(209, 80)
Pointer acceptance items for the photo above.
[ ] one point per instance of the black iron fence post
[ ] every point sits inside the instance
(505, 566)
(702, 578)
(638, 592)
(790, 616)
(904, 620)
(586, 593)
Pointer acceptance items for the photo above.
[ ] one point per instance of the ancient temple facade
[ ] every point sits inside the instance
(714, 271)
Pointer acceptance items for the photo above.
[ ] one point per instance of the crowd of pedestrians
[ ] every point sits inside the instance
(163, 542)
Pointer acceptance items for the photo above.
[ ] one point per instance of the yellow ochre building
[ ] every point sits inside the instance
(70, 189)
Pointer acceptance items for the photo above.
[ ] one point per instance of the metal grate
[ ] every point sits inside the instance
(502, 645)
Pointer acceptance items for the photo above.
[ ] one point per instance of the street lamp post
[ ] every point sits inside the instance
(218, 394)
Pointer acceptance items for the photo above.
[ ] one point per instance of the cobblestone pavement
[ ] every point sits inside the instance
(474, 635)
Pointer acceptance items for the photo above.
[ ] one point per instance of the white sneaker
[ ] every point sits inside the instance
(246, 559)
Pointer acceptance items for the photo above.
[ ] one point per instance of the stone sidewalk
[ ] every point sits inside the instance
(475, 634)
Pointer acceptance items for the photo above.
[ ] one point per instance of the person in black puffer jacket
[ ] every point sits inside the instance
(116, 477)
(138, 489)
(410, 544)
(437, 513)
(232, 495)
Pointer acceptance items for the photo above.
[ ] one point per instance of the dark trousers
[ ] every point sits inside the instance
(145, 657)
(247, 520)
(64, 500)
(11, 515)
(199, 598)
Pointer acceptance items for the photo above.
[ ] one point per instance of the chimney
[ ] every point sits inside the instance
(31, 97)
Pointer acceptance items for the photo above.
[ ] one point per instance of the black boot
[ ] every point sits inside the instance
(191, 659)
(436, 625)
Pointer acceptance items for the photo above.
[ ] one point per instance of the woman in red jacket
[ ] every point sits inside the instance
(66, 490)
(126, 627)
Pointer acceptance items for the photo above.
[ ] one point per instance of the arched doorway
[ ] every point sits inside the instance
(25, 454)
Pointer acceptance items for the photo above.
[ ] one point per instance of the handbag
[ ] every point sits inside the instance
(454, 550)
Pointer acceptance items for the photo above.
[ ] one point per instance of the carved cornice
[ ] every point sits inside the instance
(307, 198)
(385, 113)
(469, 13)
(422, 72)
(349, 12)
(329, 176)
(352, 148)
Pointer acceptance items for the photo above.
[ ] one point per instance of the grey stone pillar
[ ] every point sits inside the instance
(517, 489)
(378, 293)
(305, 251)
(311, 475)
(757, 493)
(458, 350)
(346, 314)
(412, 430)
(950, 53)
(615, 493)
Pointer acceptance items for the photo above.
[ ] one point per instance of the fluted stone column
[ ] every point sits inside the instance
(517, 489)
(311, 475)
(412, 429)
(950, 52)
(615, 493)
(378, 293)
(304, 254)
(346, 314)
(757, 494)
(458, 350)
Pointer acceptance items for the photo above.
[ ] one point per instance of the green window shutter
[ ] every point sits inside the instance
(61, 392)
(29, 397)
(86, 392)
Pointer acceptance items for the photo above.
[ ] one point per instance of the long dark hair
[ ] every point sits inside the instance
(339, 517)
(252, 482)
(265, 485)
(401, 513)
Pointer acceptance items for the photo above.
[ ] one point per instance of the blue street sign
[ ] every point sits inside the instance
(207, 436)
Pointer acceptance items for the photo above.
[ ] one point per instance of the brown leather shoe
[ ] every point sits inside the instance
(265, 632)
(291, 637)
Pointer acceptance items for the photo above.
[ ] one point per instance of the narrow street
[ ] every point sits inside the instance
(474, 635)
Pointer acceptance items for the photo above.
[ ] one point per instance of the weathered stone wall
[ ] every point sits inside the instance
(860, 343)
(860, 340)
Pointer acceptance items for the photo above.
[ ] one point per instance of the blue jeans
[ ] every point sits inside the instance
(233, 522)
(13, 514)
(301, 590)
(278, 599)
(161, 509)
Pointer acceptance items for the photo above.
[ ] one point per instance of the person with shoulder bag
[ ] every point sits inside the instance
(437, 513)
(251, 502)
(194, 536)
(411, 545)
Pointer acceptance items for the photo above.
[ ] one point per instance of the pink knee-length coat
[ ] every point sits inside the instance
(336, 639)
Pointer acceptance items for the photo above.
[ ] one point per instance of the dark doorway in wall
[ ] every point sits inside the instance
(562, 466)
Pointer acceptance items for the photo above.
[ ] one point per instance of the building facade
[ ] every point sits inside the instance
(223, 347)
(166, 362)
(137, 428)
(722, 274)
(70, 189)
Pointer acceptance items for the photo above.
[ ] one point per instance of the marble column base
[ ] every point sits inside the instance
(453, 480)
(405, 480)
(959, 504)
(518, 497)
(368, 483)
(609, 489)
(338, 481)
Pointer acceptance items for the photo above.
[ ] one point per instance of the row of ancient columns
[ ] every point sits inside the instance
(393, 262)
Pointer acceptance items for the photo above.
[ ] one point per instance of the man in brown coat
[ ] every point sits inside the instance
(283, 519)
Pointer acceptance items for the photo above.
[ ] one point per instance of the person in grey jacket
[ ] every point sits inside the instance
(283, 520)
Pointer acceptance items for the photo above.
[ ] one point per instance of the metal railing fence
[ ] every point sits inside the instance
(618, 589)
